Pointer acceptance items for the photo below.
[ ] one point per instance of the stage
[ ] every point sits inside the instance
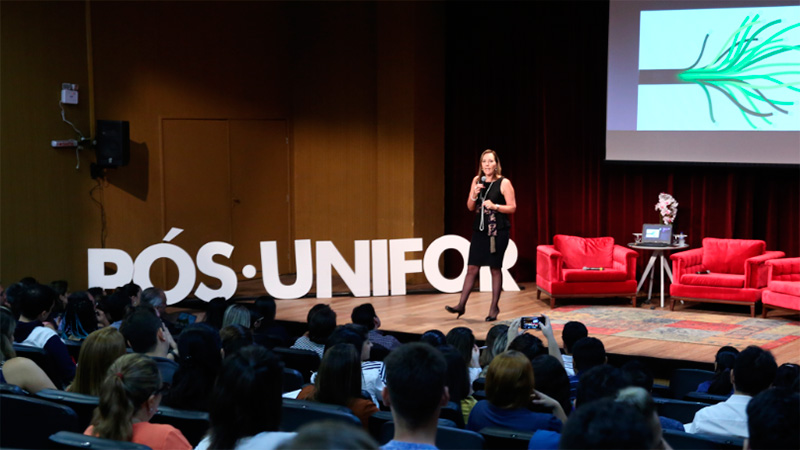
(689, 333)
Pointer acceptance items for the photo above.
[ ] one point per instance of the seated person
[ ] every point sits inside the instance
(116, 306)
(753, 372)
(496, 340)
(236, 314)
(573, 331)
(434, 338)
(98, 353)
(330, 435)
(80, 317)
(773, 420)
(462, 339)
(145, 333)
(458, 384)
(787, 376)
(587, 352)
(552, 380)
(199, 361)
(35, 302)
(365, 316)
(603, 381)
(265, 331)
(321, 323)
(720, 384)
(640, 399)
(609, 424)
(415, 390)
(15, 369)
(639, 375)
(234, 337)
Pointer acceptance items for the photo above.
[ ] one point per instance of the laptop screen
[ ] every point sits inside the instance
(656, 234)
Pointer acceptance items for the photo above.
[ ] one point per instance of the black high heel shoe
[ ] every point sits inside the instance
(492, 318)
(452, 310)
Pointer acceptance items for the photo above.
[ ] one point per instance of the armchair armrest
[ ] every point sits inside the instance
(787, 269)
(756, 272)
(549, 262)
(625, 259)
(686, 262)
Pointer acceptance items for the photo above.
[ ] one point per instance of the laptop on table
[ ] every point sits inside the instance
(657, 235)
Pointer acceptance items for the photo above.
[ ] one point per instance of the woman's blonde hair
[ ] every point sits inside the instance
(509, 380)
(100, 349)
(497, 171)
(129, 383)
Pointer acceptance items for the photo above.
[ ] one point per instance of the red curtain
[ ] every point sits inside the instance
(529, 81)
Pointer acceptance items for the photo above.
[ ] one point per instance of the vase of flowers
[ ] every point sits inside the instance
(667, 206)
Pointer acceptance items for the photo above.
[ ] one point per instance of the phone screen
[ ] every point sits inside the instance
(530, 323)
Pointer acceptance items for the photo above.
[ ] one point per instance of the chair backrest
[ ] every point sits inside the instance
(682, 440)
(304, 361)
(69, 439)
(292, 380)
(501, 438)
(296, 413)
(447, 438)
(27, 422)
(375, 424)
(705, 397)
(83, 405)
(684, 381)
(6, 388)
(479, 384)
(43, 359)
(680, 410)
(452, 411)
(193, 424)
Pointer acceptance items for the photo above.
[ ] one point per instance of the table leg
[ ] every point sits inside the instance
(662, 278)
(666, 264)
(646, 271)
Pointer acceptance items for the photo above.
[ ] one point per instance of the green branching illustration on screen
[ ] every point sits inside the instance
(751, 70)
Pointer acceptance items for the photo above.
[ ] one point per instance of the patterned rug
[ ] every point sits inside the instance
(707, 329)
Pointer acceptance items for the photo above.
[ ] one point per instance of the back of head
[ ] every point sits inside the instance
(434, 338)
(497, 332)
(721, 381)
(462, 339)
(773, 420)
(330, 435)
(606, 424)
(215, 309)
(509, 380)
(246, 397)
(7, 326)
(787, 376)
(140, 329)
(13, 294)
(80, 318)
(198, 365)
(600, 382)
(265, 308)
(339, 377)
(34, 299)
(754, 370)
(552, 380)
(98, 353)
(321, 323)
(587, 353)
(364, 315)
(153, 296)
(638, 374)
(129, 382)
(116, 305)
(351, 333)
(415, 380)
(572, 333)
(457, 374)
(236, 315)
(234, 337)
(529, 345)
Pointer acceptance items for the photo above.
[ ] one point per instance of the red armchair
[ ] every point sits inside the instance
(722, 271)
(560, 274)
(783, 287)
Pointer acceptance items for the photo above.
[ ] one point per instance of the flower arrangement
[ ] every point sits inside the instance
(667, 206)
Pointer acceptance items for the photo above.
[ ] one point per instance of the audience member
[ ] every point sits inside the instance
(236, 315)
(457, 381)
(434, 338)
(601, 381)
(607, 424)
(156, 298)
(365, 315)
(265, 331)
(80, 317)
(98, 353)
(787, 376)
(245, 403)
(15, 369)
(415, 391)
(338, 382)
(13, 294)
(552, 380)
(145, 333)
(129, 398)
(35, 302)
(116, 306)
(372, 372)
(330, 435)
(640, 375)
(720, 384)
(199, 361)
(234, 337)
(587, 352)
(529, 345)
(753, 371)
(773, 420)
(101, 307)
(494, 346)
(215, 310)
(640, 399)
(133, 291)
(321, 323)
(61, 287)
(96, 293)
(573, 331)
(462, 339)
(509, 393)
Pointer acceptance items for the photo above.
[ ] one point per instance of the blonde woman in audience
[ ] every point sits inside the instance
(129, 398)
(15, 369)
(236, 315)
(98, 352)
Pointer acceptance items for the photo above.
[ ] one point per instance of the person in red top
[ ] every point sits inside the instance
(129, 397)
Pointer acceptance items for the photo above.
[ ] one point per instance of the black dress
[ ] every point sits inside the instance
(494, 222)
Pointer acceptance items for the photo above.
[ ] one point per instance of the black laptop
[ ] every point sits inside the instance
(657, 235)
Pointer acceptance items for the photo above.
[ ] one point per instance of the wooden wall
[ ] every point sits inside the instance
(360, 85)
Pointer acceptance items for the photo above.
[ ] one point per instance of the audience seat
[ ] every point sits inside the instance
(83, 405)
(292, 380)
(680, 410)
(44, 360)
(447, 438)
(193, 424)
(560, 274)
(705, 397)
(783, 287)
(304, 361)
(722, 271)
(452, 412)
(502, 438)
(27, 422)
(6, 388)
(684, 381)
(69, 439)
(376, 421)
(296, 413)
(680, 440)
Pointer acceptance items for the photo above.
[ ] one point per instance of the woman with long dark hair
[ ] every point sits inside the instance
(199, 361)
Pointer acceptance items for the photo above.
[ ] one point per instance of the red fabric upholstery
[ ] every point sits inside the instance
(585, 252)
(787, 269)
(779, 300)
(728, 255)
(558, 277)
(783, 287)
(714, 279)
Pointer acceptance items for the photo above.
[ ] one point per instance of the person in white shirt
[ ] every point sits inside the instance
(572, 332)
(753, 372)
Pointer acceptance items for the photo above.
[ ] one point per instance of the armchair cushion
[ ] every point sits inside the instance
(729, 255)
(714, 279)
(580, 275)
(785, 287)
(590, 252)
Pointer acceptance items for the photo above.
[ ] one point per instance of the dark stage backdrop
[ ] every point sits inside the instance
(528, 79)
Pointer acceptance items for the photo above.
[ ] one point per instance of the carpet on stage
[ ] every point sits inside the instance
(707, 329)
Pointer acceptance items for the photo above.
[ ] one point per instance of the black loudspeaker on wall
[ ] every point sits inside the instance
(112, 144)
